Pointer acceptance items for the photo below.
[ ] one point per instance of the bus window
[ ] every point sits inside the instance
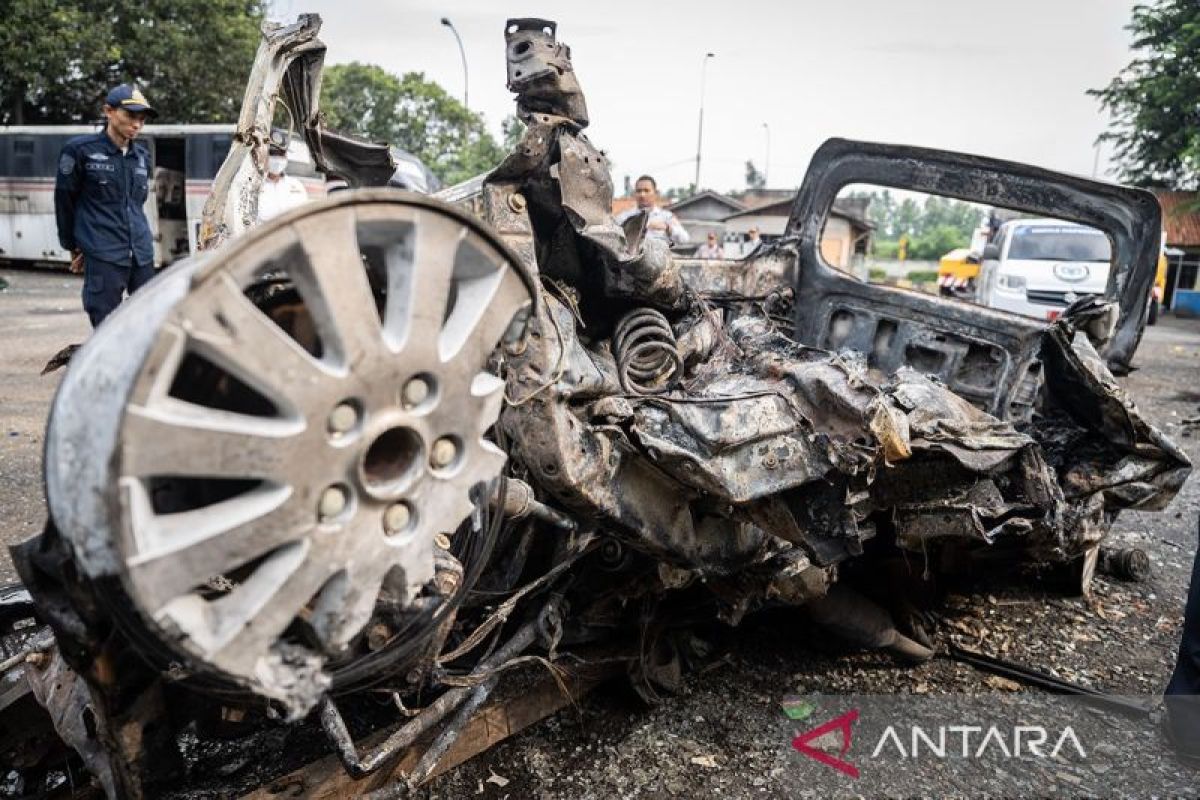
(205, 154)
(23, 157)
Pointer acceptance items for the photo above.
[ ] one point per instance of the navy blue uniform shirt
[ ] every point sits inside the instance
(98, 198)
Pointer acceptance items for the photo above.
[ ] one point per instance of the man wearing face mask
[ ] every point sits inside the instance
(280, 192)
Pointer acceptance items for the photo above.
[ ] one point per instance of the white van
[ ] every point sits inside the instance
(1038, 267)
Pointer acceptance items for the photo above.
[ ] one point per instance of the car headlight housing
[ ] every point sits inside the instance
(1010, 283)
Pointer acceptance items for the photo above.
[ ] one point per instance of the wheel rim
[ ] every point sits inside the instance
(355, 458)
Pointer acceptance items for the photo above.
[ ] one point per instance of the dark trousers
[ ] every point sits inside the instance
(105, 283)
(1183, 692)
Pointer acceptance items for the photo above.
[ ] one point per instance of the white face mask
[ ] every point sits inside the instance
(276, 164)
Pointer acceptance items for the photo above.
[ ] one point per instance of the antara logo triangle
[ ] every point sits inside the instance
(843, 723)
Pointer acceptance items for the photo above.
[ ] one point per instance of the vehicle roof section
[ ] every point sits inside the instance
(1046, 222)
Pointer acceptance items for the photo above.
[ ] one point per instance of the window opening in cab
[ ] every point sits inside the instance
(898, 237)
(990, 256)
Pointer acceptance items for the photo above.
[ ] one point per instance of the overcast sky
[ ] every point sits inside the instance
(1002, 78)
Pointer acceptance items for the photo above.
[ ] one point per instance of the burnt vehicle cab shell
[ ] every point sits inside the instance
(989, 357)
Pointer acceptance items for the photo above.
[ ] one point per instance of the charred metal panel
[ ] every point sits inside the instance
(897, 326)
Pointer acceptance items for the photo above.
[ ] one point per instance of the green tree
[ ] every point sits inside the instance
(1155, 99)
(362, 99)
(934, 225)
(907, 218)
(945, 212)
(892, 218)
(881, 211)
(935, 242)
(512, 129)
(191, 57)
(888, 249)
(412, 113)
(47, 59)
(754, 178)
(676, 193)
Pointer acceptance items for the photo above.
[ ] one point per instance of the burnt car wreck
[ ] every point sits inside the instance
(393, 447)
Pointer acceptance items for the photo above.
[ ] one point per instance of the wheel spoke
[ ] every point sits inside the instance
(243, 341)
(175, 438)
(419, 292)
(483, 312)
(486, 462)
(251, 618)
(180, 552)
(488, 393)
(334, 285)
(451, 499)
(345, 604)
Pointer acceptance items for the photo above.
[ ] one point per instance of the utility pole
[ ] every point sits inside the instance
(700, 132)
(463, 53)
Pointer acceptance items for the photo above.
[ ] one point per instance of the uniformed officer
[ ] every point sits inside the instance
(103, 179)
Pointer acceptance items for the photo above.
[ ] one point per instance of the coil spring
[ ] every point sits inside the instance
(648, 359)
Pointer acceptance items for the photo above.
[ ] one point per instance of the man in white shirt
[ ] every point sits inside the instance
(711, 248)
(660, 223)
(752, 243)
(280, 191)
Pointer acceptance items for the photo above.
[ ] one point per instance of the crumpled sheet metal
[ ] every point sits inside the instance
(64, 694)
(772, 462)
(777, 441)
(758, 275)
(540, 71)
(785, 437)
(853, 431)
(568, 424)
(940, 420)
(554, 152)
(721, 444)
(642, 269)
(1130, 462)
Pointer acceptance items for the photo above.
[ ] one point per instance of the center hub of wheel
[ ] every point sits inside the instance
(392, 462)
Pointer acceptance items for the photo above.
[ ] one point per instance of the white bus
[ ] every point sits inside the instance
(185, 158)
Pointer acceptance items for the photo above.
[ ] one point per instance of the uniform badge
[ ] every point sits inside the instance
(66, 164)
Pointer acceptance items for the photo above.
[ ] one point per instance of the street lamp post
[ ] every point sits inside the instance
(767, 162)
(700, 132)
(462, 52)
